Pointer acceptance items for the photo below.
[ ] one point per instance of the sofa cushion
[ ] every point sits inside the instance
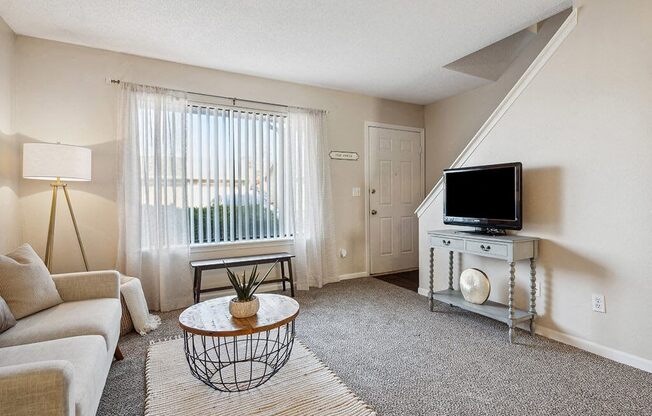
(69, 319)
(25, 282)
(88, 356)
(7, 320)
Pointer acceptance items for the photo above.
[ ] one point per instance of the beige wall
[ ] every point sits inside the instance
(61, 95)
(452, 122)
(10, 234)
(583, 130)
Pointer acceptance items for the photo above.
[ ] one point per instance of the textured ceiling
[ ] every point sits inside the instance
(391, 49)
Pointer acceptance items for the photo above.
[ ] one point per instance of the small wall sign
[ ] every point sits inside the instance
(339, 155)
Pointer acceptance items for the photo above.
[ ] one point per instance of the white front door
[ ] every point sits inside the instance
(396, 189)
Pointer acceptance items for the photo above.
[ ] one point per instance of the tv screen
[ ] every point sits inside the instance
(484, 196)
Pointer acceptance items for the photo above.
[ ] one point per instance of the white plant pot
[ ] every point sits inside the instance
(244, 309)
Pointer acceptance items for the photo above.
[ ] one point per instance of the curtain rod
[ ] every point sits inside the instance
(233, 99)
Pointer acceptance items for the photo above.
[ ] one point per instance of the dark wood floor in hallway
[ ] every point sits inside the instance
(406, 280)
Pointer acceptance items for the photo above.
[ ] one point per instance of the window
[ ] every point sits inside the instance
(239, 186)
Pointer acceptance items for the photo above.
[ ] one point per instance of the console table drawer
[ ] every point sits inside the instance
(487, 249)
(447, 242)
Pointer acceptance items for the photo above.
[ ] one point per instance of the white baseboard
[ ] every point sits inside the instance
(353, 275)
(590, 346)
(366, 274)
(597, 349)
(265, 287)
(273, 287)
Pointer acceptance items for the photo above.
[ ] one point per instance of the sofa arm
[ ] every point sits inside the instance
(88, 285)
(41, 388)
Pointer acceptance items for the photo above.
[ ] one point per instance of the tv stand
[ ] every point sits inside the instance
(510, 248)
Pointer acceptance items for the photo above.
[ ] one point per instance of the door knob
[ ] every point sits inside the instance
(373, 191)
(374, 212)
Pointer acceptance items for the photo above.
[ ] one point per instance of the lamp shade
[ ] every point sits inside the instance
(49, 161)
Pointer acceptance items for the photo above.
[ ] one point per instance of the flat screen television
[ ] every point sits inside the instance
(485, 197)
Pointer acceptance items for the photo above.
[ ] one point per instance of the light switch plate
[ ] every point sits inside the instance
(356, 191)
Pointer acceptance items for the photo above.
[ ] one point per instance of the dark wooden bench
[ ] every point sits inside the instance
(230, 262)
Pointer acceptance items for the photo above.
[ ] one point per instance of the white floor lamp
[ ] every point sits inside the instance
(57, 162)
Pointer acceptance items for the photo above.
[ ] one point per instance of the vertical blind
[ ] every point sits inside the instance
(239, 187)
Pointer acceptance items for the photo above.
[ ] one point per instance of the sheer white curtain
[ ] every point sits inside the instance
(153, 219)
(312, 205)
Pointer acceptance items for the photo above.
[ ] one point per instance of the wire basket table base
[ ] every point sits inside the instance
(238, 363)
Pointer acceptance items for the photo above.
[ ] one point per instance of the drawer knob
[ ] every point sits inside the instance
(446, 243)
(485, 248)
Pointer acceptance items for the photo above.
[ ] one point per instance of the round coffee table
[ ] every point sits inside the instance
(230, 354)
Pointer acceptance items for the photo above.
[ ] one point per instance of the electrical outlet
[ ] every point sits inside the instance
(537, 289)
(598, 303)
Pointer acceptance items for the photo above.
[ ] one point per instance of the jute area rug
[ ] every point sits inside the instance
(304, 386)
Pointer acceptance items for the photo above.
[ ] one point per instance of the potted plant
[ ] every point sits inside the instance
(245, 304)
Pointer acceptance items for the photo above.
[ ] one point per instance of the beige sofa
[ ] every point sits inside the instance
(56, 361)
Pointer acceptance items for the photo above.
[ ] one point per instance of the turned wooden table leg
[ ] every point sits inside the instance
(431, 276)
(118, 354)
(450, 270)
(512, 279)
(533, 292)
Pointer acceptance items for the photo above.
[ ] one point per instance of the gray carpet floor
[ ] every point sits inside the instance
(382, 341)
